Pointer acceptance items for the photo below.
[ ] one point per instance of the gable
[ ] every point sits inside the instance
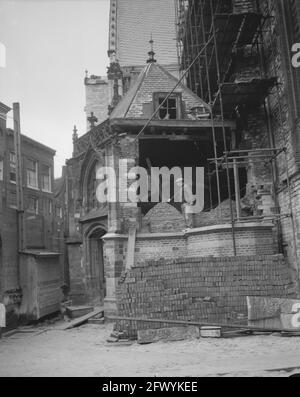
(154, 79)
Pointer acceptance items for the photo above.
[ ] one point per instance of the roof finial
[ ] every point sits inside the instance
(75, 134)
(92, 120)
(151, 53)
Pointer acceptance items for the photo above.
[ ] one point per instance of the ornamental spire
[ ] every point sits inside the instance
(151, 53)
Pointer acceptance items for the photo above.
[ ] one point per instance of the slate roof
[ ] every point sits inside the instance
(136, 21)
(153, 78)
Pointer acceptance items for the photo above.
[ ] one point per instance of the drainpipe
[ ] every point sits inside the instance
(19, 184)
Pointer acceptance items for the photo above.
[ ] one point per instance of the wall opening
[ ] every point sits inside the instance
(96, 263)
(189, 153)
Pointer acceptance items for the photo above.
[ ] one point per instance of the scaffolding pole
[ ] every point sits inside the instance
(210, 103)
(223, 128)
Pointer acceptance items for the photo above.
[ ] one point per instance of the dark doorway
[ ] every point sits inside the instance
(190, 153)
(96, 262)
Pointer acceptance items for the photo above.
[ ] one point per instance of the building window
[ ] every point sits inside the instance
(59, 212)
(92, 185)
(12, 167)
(13, 200)
(46, 178)
(32, 174)
(170, 109)
(33, 205)
(50, 207)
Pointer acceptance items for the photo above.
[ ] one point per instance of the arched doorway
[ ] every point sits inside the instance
(96, 264)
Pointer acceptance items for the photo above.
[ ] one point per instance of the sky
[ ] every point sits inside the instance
(48, 46)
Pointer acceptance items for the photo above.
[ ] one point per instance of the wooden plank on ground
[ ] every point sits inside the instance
(279, 313)
(81, 320)
(168, 334)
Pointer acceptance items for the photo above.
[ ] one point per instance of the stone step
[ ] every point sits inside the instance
(96, 321)
(78, 311)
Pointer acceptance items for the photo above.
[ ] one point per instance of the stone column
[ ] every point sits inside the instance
(122, 155)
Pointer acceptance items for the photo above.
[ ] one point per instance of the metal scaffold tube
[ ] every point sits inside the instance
(210, 102)
(223, 127)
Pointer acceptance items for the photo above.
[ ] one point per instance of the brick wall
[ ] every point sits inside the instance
(201, 289)
(216, 241)
(163, 217)
(285, 127)
(168, 247)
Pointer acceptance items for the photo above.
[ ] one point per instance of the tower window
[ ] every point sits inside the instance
(170, 109)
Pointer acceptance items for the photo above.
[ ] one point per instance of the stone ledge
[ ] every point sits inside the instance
(198, 230)
(224, 227)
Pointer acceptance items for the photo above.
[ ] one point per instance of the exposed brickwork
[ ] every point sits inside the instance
(202, 289)
(163, 218)
(284, 122)
(206, 241)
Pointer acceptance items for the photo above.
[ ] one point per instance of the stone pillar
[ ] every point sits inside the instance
(121, 156)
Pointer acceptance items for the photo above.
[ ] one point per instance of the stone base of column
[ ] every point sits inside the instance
(110, 301)
(110, 306)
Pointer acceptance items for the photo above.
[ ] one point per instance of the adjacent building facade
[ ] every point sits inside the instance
(31, 265)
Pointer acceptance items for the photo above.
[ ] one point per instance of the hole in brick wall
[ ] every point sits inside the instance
(188, 153)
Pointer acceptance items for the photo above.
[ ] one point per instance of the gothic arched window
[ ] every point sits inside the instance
(92, 183)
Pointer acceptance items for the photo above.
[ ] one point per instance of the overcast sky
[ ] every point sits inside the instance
(49, 45)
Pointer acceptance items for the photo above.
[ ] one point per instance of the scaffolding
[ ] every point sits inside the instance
(221, 30)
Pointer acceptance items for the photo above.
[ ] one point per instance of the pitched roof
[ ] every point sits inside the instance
(153, 78)
(132, 24)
